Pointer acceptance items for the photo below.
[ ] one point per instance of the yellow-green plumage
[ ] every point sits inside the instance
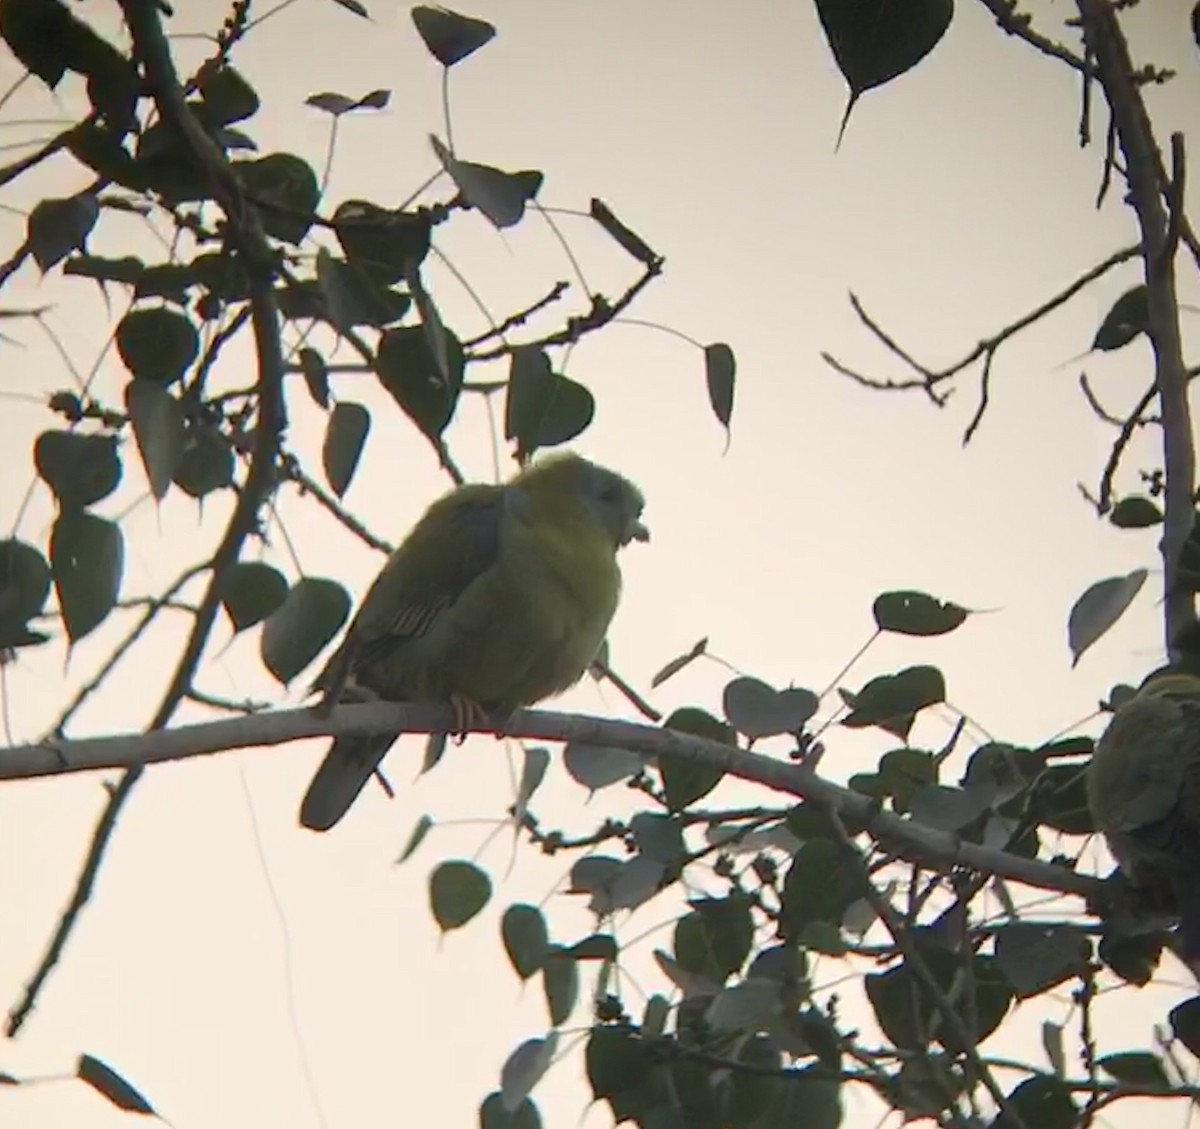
(500, 595)
(1143, 785)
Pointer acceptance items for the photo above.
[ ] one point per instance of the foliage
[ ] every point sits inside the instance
(884, 879)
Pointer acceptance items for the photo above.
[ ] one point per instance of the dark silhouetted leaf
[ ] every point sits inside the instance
(915, 613)
(226, 96)
(80, 469)
(1099, 608)
(407, 369)
(500, 196)
(678, 663)
(287, 182)
(543, 408)
(24, 586)
(892, 701)
(875, 41)
(1135, 512)
(316, 375)
(157, 343)
(1129, 316)
(345, 435)
(205, 463)
(310, 616)
(458, 890)
(387, 244)
(1044, 1101)
(759, 710)
(87, 559)
(449, 36)
(104, 1080)
(720, 368)
(1036, 958)
(57, 227)
(250, 592)
(159, 429)
(526, 940)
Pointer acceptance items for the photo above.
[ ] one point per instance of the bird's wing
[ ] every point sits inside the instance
(451, 547)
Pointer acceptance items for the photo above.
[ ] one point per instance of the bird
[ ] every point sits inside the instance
(499, 596)
(1143, 790)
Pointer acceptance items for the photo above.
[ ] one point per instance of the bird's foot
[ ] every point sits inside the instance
(468, 715)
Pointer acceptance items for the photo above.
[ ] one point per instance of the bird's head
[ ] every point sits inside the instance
(613, 502)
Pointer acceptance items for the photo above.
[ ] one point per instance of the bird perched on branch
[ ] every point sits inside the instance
(500, 596)
(1143, 786)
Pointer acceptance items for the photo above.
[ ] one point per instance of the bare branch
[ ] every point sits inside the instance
(907, 837)
(1106, 43)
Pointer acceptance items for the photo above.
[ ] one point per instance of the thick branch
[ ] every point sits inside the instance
(246, 234)
(1107, 45)
(905, 836)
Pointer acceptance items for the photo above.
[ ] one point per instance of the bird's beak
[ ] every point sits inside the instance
(637, 532)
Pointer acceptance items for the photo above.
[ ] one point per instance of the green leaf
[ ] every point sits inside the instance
(500, 196)
(875, 41)
(818, 888)
(598, 946)
(226, 96)
(720, 368)
(87, 558)
(915, 613)
(1044, 1101)
(332, 103)
(1036, 958)
(617, 1063)
(205, 463)
(908, 1015)
(1099, 608)
(1136, 1068)
(658, 837)
(678, 663)
(157, 344)
(1129, 317)
(599, 766)
(106, 1081)
(714, 939)
(345, 435)
(24, 586)
(423, 826)
(449, 36)
(159, 430)
(526, 940)
(350, 296)
(759, 710)
(287, 182)
(1185, 1023)
(57, 227)
(458, 890)
(892, 701)
(542, 407)
(494, 1115)
(560, 984)
(250, 592)
(316, 375)
(80, 469)
(310, 616)
(408, 370)
(683, 782)
(387, 245)
(1135, 512)
(523, 1069)
(948, 809)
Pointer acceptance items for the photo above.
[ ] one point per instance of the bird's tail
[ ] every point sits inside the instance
(349, 764)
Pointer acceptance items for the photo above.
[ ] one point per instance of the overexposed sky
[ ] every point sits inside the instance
(225, 948)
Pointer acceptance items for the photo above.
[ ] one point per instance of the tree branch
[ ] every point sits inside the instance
(1143, 160)
(246, 235)
(907, 837)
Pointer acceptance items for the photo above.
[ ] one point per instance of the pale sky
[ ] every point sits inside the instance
(226, 951)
